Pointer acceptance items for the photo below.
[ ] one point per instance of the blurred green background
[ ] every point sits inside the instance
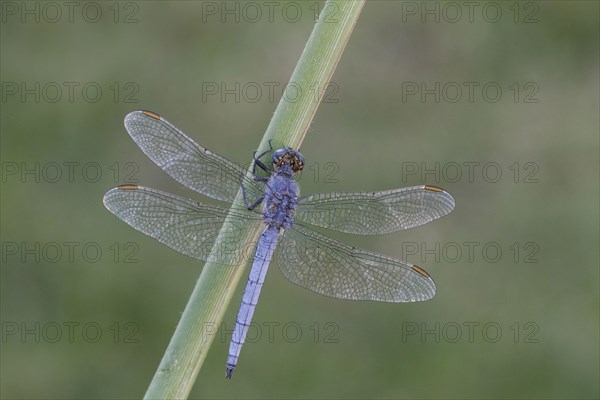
(522, 323)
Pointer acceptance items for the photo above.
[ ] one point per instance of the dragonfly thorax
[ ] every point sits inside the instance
(281, 200)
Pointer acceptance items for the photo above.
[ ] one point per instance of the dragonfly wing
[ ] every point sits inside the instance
(375, 213)
(184, 225)
(334, 269)
(186, 161)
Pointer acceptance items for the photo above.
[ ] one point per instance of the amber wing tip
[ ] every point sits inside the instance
(434, 188)
(420, 271)
(128, 187)
(151, 114)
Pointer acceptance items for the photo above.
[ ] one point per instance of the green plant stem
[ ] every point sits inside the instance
(216, 285)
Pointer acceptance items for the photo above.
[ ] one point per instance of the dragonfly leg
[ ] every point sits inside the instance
(253, 205)
(259, 200)
(260, 163)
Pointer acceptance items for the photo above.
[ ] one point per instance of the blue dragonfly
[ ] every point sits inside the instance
(305, 257)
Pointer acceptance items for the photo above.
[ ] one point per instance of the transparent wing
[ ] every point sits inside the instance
(186, 161)
(184, 225)
(334, 269)
(375, 213)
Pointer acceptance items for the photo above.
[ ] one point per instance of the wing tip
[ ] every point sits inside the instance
(108, 195)
(429, 279)
(106, 198)
(151, 114)
(141, 113)
(448, 196)
(420, 271)
(433, 188)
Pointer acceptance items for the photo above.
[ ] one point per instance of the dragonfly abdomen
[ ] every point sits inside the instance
(264, 252)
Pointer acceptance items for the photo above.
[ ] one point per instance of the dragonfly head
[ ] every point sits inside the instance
(287, 159)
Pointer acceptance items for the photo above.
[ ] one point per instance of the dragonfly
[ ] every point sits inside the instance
(272, 199)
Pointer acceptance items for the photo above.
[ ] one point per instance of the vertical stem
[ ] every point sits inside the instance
(216, 285)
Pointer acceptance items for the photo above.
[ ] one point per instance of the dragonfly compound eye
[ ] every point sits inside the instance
(287, 156)
(297, 162)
